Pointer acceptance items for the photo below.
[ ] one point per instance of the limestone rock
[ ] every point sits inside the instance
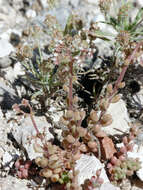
(10, 183)
(30, 13)
(120, 118)
(87, 167)
(25, 131)
(5, 62)
(64, 14)
(138, 153)
(106, 186)
(5, 48)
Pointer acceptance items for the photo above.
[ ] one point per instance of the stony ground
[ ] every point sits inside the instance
(15, 18)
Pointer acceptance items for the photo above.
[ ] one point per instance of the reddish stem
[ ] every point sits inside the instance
(120, 78)
(70, 86)
(122, 74)
(34, 124)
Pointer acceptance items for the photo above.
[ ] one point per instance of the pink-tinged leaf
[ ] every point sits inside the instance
(19, 174)
(28, 164)
(125, 140)
(114, 160)
(17, 164)
(25, 173)
(130, 147)
(123, 150)
(100, 134)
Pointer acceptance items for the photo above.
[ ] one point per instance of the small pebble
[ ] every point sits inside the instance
(14, 39)
(30, 13)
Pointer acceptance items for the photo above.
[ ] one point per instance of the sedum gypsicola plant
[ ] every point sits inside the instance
(67, 48)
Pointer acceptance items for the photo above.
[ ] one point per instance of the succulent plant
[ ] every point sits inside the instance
(67, 49)
(94, 182)
(125, 169)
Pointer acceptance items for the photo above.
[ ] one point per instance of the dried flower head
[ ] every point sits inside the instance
(105, 5)
(124, 38)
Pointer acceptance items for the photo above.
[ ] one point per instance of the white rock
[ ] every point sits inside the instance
(93, 1)
(140, 2)
(24, 133)
(138, 153)
(64, 14)
(1, 153)
(120, 118)
(5, 48)
(18, 70)
(107, 29)
(87, 167)
(10, 183)
(108, 186)
(7, 16)
(74, 2)
(6, 35)
(44, 3)
(12, 73)
(99, 18)
(138, 97)
(5, 62)
(54, 114)
(6, 158)
(30, 13)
